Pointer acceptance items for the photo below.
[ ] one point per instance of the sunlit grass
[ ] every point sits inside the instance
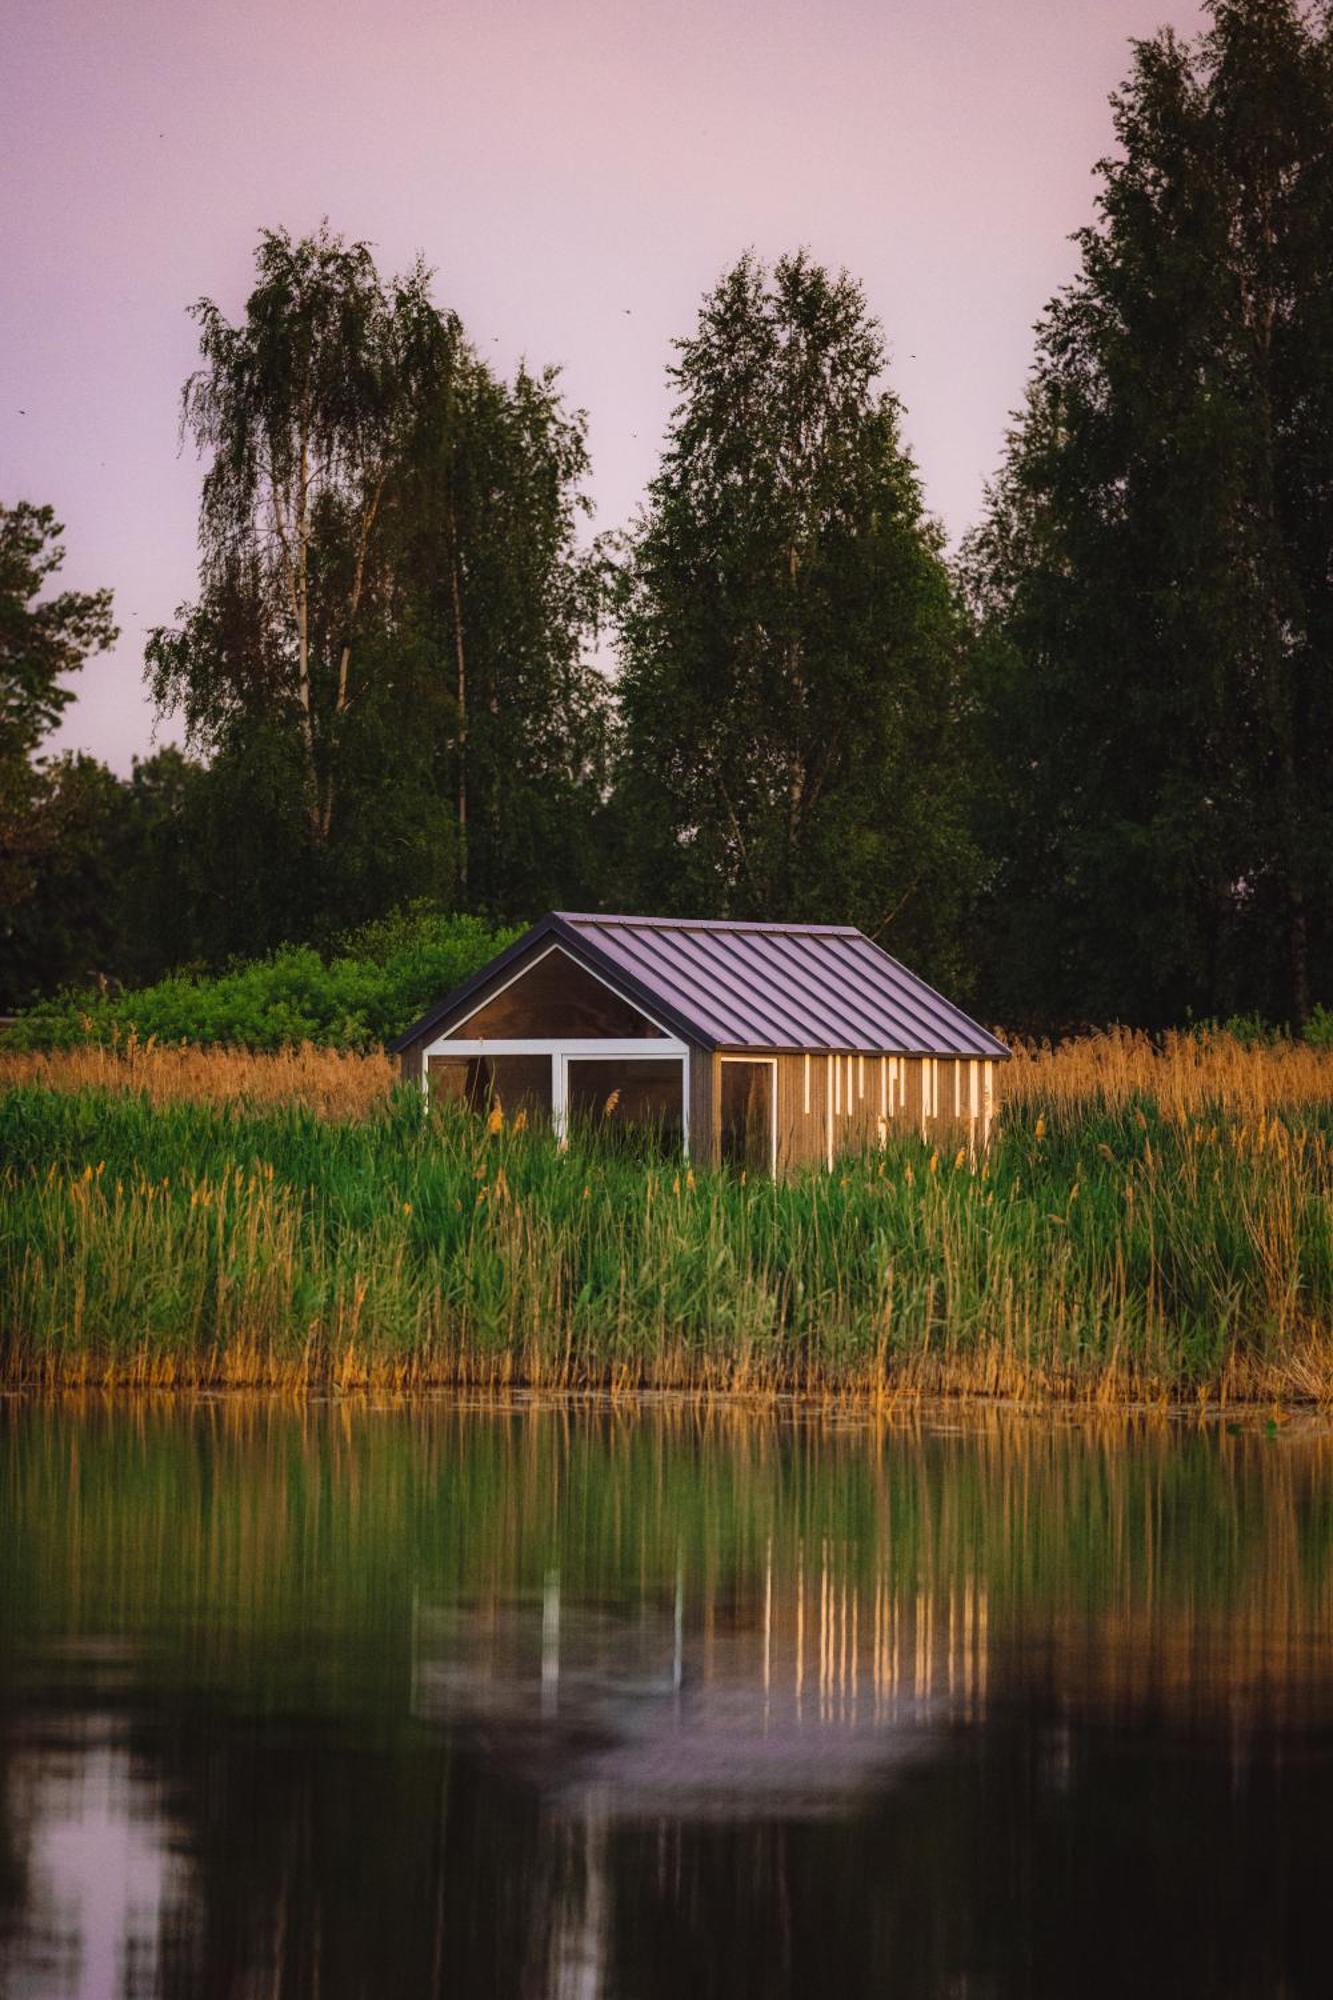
(1135, 1231)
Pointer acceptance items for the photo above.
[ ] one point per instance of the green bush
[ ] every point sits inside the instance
(1319, 1028)
(363, 993)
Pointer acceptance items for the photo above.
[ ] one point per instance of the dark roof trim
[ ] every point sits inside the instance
(581, 949)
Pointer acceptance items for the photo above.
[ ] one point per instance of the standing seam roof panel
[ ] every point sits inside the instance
(620, 942)
(719, 973)
(812, 964)
(786, 986)
(765, 1010)
(929, 1024)
(921, 1002)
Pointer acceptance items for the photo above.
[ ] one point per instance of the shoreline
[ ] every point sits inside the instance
(1291, 1416)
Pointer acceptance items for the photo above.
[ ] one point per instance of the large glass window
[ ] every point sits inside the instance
(637, 1102)
(513, 1085)
(555, 998)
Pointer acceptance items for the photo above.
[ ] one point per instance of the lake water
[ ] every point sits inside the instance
(335, 1701)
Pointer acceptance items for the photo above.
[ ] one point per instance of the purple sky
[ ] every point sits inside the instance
(557, 161)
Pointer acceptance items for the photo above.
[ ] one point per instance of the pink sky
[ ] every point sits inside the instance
(557, 163)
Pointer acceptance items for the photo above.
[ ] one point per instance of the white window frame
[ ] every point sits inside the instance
(561, 1054)
(772, 1064)
(662, 1046)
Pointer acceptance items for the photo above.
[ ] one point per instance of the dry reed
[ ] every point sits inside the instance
(1183, 1074)
(331, 1082)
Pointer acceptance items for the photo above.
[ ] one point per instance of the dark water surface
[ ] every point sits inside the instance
(350, 1701)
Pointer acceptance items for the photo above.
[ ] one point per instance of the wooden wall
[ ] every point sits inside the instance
(831, 1105)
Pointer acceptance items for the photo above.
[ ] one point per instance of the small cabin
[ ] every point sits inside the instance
(760, 1046)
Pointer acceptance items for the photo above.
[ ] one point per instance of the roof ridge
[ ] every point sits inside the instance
(707, 924)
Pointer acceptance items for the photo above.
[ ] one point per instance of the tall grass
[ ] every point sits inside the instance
(1180, 1074)
(336, 1083)
(1129, 1236)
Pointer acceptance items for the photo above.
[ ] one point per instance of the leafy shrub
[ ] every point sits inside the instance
(363, 993)
(1319, 1028)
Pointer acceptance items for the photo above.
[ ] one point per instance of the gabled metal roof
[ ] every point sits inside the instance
(802, 986)
(760, 986)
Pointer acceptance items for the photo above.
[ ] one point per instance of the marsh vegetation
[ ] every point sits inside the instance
(1151, 1221)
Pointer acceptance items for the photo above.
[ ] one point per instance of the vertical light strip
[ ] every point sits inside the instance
(837, 1084)
(973, 1104)
(883, 1086)
(828, 1111)
(807, 1083)
(559, 1115)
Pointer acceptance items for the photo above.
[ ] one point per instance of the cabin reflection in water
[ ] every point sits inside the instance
(670, 1715)
(793, 1704)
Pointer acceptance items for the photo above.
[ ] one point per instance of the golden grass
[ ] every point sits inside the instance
(333, 1083)
(1184, 1073)
(1154, 1222)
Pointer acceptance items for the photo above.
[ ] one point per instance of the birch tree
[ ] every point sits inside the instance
(305, 411)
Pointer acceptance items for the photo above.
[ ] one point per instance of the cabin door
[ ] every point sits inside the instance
(749, 1113)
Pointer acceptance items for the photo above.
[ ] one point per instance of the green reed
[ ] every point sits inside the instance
(1097, 1250)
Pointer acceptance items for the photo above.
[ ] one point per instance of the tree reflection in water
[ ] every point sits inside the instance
(337, 1701)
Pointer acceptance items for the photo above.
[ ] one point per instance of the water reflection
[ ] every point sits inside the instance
(346, 1701)
(104, 1886)
(793, 1704)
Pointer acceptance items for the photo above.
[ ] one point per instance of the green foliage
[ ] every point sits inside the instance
(1180, 1254)
(385, 662)
(792, 654)
(43, 639)
(1153, 568)
(360, 995)
(1319, 1028)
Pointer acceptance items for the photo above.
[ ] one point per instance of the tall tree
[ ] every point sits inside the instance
(304, 409)
(115, 878)
(386, 658)
(1154, 568)
(791, 648)
(488, 572)
(43, 638)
